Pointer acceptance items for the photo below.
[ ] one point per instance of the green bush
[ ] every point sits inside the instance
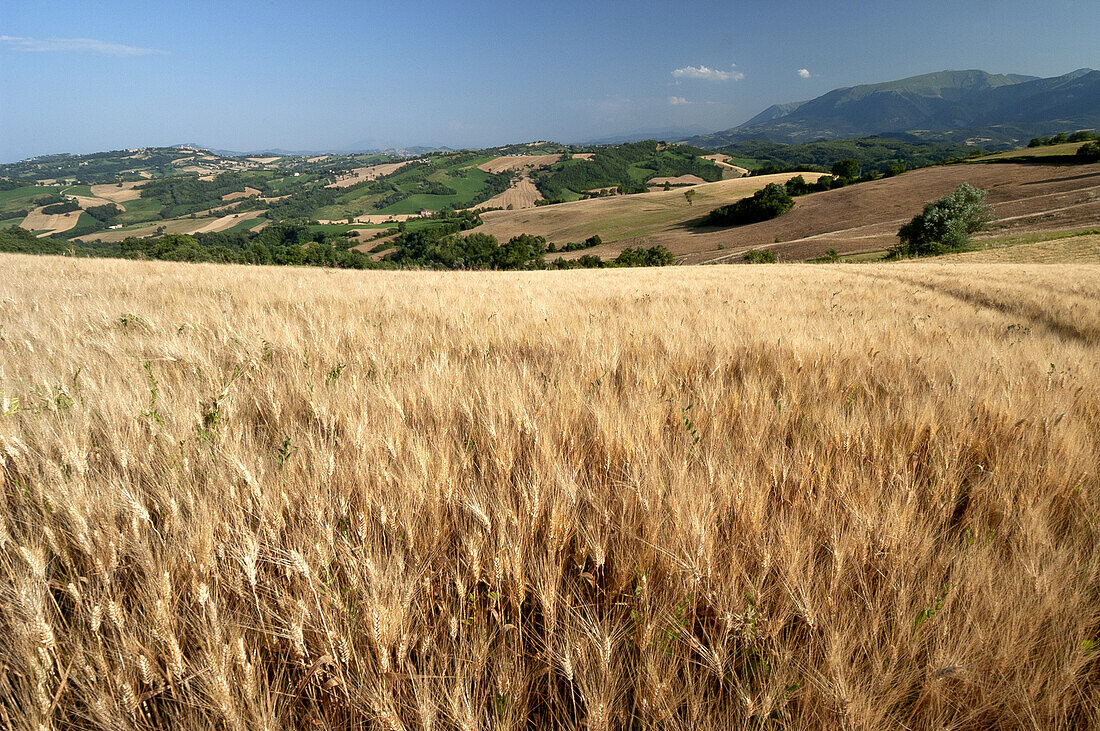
(66, 207)
(945, 225)
(761, 256)
(1089, 152)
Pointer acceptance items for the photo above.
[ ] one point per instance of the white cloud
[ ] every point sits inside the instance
(708, 74)
(75, 45)
(677, 101)
(804, 73)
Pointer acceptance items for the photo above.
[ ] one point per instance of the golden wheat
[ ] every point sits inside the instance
(724, 497)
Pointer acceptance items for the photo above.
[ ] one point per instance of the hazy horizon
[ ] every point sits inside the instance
(338, 75)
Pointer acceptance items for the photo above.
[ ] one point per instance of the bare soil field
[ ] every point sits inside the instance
(707, 498)
(119, 196)
(1026, 198)
(359, 175)
(678, 181)
(518, 162)
(522, 194)
(86, 201)
(226, 222)
(377, 218)
(246, 193)
(620, 218)
(48, 223)
(265, 160)
(583, 155)
(171, 226)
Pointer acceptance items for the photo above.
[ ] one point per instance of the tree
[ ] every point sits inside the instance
(945, 224)
(690, 195)
(846, 169)
(769, 202)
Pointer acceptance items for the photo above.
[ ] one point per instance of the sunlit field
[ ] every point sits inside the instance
(831, 496)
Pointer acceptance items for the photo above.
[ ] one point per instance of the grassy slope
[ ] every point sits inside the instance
(617, 218)
(1069, 148)
(1050, 249)
(698, 498)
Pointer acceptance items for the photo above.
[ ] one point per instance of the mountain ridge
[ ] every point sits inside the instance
(944, 102)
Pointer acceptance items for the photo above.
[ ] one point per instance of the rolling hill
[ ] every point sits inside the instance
(953, 105)
(858, 219)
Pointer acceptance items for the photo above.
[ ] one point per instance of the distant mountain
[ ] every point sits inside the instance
(353, 150)
(997, 109)
(666, 134)
(775, 111)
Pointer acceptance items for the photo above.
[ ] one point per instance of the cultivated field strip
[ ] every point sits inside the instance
(717, 497)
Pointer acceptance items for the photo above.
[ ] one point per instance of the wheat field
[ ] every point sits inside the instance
(799, 497)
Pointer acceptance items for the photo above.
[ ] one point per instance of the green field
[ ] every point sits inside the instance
(26, 192)
(141, 210)
(246, 225)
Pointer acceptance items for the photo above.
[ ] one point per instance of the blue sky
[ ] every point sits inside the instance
(88, 76)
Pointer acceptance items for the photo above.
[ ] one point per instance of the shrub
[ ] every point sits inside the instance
(771, 201)
(945, 224)
(1089, 152)
(761, 256)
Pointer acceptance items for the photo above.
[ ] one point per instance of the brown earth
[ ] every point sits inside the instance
(86, 201)
(583, 155)
(378, 218)
(679, 180)
(246, 193)
(507, 163)
(722, 161)
(171, 226)
(264, 160)
(368, 244)
(226, 222)
(49, 223)
(1026, 198)
(111, 192)
(359, 175)
(522, 194)
(177, 226)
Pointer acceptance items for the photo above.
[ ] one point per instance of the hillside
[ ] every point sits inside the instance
(854, 219)
(619, 220)
(185, 190)
(957, 106)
